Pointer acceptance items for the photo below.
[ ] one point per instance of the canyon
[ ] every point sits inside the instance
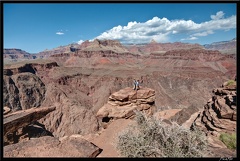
(88, 85)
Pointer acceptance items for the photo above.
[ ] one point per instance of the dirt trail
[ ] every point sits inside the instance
(107, 139)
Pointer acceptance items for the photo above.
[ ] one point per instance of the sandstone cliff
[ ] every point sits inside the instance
(22, 88)
(220, 113)
(219, 116)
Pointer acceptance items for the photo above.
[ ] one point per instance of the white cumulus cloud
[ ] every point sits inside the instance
(218, 16)
(161, 29)
(80, 42)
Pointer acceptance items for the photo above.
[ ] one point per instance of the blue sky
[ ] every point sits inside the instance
(34, 27)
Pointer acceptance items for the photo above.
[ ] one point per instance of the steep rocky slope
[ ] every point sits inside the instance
(22, 88)
(219, 116)
(23, 91)
(220, 113)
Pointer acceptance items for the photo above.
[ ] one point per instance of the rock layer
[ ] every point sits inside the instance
(219, 114)
(122, 104)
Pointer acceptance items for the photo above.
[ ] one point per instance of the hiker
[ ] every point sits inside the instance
(137, 85)
(134, 84)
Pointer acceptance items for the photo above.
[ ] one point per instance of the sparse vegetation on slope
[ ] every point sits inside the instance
(154, 138)
(229, 140)
(231, 82)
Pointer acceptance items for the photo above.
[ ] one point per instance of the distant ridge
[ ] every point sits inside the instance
(227, 47)
(14, 51)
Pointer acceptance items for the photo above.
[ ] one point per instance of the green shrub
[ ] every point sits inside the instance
(154, 138)
(229, 140)
(231, 82)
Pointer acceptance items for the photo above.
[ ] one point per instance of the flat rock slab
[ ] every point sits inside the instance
(16, 120)
(48, 146)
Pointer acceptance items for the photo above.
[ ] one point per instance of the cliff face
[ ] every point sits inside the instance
(22, 88)
(220, 112)
(33, 85)
(28, 67)
(218, 116)
(23, 91)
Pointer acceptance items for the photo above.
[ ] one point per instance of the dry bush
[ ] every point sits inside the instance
(154, 138)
